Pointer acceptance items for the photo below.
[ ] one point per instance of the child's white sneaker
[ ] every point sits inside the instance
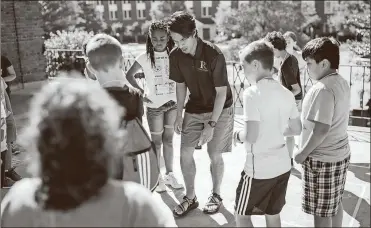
(170, 179)
(161, 186)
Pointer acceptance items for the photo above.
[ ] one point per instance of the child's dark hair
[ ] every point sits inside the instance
(277, 40)
(183, 23)
(157, 25)
(323, 48)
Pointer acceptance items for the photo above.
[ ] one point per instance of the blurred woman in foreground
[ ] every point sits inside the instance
(74, 134)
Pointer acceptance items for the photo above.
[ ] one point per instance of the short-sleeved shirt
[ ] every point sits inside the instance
(289, 74)
(130, 99)
(160, 89)
(272, 105)
(5, 63)
(201, 74)
(3, 116)
(328, 102)
(118, 204)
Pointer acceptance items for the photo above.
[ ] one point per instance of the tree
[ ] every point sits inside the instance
(57, 15)
(145, 27)
(162, 9)
(356, 16)
(87, 18)
(362, 25)
(222, 17)
(133, 30)
(258, 18)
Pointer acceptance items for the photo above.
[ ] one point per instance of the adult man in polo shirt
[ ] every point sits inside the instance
(200, 66)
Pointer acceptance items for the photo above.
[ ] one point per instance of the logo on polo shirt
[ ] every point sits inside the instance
(202, 66)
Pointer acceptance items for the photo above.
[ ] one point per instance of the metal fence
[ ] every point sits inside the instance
(358, 77)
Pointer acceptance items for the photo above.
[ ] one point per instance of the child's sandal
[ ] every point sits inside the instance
(186, 206)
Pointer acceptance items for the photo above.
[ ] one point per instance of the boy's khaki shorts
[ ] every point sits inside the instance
(193, 124)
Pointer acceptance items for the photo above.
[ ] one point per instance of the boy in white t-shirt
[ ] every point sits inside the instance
(162, 109)
(270, 114)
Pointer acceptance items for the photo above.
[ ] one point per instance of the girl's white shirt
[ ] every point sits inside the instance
(160, 89)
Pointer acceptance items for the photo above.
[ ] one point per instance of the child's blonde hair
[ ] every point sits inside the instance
(103, 51)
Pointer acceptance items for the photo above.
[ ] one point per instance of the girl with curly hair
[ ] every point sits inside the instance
(161, 110)
(74, 135)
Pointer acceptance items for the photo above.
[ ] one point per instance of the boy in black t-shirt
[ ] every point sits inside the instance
(105, 58)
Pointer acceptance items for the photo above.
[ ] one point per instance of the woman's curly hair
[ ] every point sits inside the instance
(74, 130)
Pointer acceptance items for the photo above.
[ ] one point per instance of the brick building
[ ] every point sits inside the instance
(128, 12)
(21, 39)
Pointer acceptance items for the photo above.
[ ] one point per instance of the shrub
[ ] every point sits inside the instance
(62, 50)
(235, 45)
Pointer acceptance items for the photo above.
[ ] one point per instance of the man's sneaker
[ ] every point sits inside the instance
(13, 175)
(161, 186)
(170, 179)
(15, 149)
(7, 183)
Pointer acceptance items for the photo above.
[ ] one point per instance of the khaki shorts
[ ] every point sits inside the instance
(193, 125)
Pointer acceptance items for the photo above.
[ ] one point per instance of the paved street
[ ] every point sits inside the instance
(356, 196)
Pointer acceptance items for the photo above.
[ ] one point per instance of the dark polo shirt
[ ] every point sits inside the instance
(290, 75)
(201, 74)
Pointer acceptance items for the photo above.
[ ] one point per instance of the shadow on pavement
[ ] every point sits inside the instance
(361, 171)
(195, 218)
(351, 200)
(20, 103)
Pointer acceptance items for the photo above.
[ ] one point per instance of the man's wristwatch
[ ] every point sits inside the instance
(212, 123)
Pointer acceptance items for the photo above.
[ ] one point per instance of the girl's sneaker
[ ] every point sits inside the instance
(172, 181)
(161, 186)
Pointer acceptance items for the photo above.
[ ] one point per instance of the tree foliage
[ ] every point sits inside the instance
(162, 9)
(69, 15)
(358, 17)
(88, 19)
(256, 18)
(57, 15)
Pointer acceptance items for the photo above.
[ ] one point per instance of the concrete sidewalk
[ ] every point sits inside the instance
(356, 196)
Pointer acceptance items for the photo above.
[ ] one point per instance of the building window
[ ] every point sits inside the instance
(125, 2)
(99, 2)
(113, 15)
(139, 1)
(127, 14)
(141, 14)
(100, 15)
(112, 2)
(328, 8)
(206, 11)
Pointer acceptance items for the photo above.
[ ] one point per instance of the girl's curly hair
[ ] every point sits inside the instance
(74, 130)
(157, 25)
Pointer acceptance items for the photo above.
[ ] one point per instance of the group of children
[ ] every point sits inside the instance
(271, 113)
